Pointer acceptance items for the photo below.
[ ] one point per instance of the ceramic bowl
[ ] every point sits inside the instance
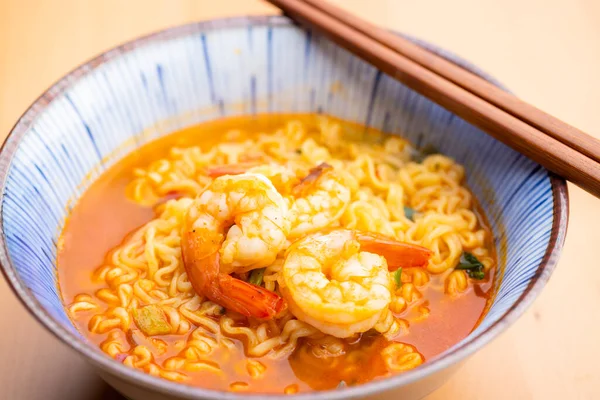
(149, 87)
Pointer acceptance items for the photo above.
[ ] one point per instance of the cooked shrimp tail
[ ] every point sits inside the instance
(397, 254)
(309, 180)
(249, 299)
(233, 294)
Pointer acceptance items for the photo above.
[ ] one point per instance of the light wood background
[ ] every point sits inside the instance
(547, 51)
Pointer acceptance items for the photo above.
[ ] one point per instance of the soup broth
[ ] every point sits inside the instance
(125, 284)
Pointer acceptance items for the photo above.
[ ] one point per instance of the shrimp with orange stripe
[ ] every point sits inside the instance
(237, 224)
(335, 279)
(339, 281)
(315, 201)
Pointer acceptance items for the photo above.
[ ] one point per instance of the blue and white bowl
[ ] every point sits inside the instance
(149, 87)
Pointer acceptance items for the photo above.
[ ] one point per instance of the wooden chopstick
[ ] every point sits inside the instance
(528, 138)
(535, 117)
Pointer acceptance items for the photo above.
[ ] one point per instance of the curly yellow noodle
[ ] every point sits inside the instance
(391, 326)
(456, 282)
(401, 357)
(398, 304)
(82, 302)
(113, 345)
(147, 267)
(417, 276)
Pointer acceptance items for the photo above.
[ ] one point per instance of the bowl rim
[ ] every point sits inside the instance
(138, 378)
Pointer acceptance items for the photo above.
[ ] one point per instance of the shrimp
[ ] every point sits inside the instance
(334, 282)
(315, 202)
(320, 200)
(237, 224)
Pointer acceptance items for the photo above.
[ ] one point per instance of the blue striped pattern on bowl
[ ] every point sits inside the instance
(145, 90)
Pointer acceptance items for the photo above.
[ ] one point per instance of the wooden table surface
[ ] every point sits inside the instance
(547, 51)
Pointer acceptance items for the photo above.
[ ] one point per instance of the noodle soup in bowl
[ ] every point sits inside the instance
(241, 208)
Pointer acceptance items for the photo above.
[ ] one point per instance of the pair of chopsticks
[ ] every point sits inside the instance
(559, 147)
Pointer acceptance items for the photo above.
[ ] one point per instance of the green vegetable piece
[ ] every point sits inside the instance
(479, 275)
(398, 278)
(151, 320)
(409, 213)
(256, 277)
(472, 265)
(468, 261)
(342, 384)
